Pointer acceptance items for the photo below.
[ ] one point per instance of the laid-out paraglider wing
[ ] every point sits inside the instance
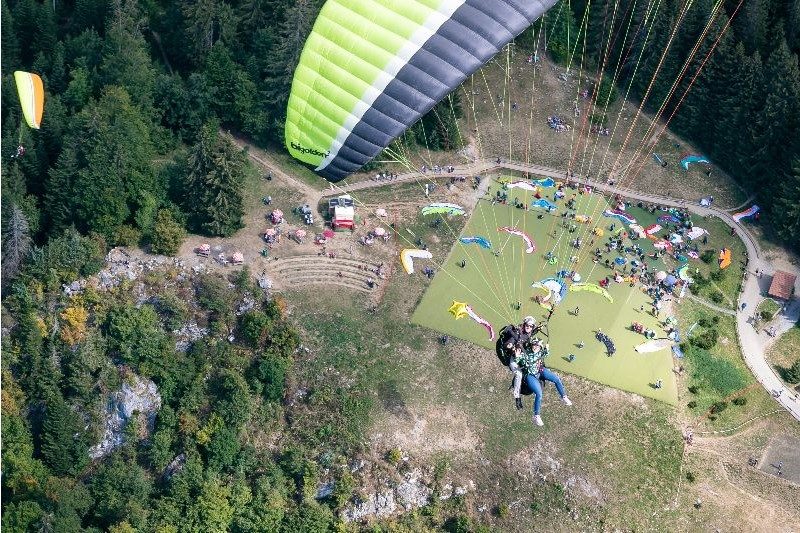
(372, 68)
(31, 97)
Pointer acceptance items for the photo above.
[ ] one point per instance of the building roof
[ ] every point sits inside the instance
(782, 285)
(343, 213)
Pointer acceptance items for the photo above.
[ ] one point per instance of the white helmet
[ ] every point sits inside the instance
(528, 321)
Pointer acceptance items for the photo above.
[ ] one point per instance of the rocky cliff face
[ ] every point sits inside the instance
(136, 396)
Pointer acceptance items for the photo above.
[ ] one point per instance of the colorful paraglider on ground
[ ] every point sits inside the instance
(544, 204)
(409, 254)
(531, 246)
(724, 258)
(524, 185)
(750, 212)
(555, 291)
(475, 239)
(461, 309)
(370, 69)
(591, 287)
(442, 208)
(693, 158)
(545, 182)
(619, 215)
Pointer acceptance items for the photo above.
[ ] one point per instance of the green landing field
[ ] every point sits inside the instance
(492, 285)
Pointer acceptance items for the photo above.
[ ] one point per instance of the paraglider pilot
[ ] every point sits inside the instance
(531, 361)
(511, 341)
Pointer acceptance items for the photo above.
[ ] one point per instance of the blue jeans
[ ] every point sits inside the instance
(536, 387)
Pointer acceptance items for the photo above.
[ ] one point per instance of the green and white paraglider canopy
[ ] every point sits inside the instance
(372, 68)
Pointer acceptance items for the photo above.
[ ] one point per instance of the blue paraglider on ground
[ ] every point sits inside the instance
(545, 182)
(544, 204)
(480, 241)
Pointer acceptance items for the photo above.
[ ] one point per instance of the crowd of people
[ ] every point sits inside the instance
(557, 123)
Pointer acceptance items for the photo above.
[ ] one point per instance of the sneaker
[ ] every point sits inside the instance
(518, 403)
(566, 401)
(537, 420)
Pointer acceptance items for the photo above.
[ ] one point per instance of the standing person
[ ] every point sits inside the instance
(531, 361)
(550, 312)
(576, 311)
(509, 344)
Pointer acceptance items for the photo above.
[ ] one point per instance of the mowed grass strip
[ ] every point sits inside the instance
(493, 282)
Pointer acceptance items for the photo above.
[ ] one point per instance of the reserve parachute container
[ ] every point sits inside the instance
(372, 68)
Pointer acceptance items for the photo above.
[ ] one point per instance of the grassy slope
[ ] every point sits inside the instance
(786, 349)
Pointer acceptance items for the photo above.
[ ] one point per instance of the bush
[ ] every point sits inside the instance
(173, 310)
(690, 477)
(268, 376)
(168, 234)
(717, 297)
(598, 118)
(213, 294)
(694, 389)
(739, 401)
(343, 489)
(708, 256)
(127, 236)
(502, 510)
(717, 275)
(705, 340)
(718, 407)
(766, 315)
(692, 404)
(394, 456)
(607, 90)
(254, 327)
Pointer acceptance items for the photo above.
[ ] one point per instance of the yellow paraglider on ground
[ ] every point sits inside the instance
(31, 97)
(591, 287)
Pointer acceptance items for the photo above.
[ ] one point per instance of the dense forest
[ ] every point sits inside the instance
(725, 75)
(130, 153)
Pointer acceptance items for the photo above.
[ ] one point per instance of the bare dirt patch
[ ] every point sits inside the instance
(426, 431)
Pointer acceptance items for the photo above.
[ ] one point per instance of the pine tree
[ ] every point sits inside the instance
(715, 96)
(563, 34)
(64, 448)
(693, 87)
(752, 25)
(126, 56)
(285, 56)
(208, 21)
(739, 126)
(214, 184)
(647, 52)
(16, 242)
(599, 31)
(780, 120)
(113, 163)
(59, 185)
(786, 209)
(8, 41)
(793, 26)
